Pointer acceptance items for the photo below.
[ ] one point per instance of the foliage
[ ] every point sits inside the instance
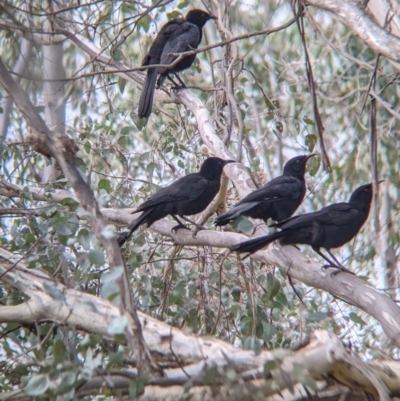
(248, 304)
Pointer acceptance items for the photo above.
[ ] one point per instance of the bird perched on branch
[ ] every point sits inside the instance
(330, 227)
(176, 36)
(278, 199)
(189, 195)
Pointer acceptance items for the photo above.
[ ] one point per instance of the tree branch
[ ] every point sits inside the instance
(63, 149)
(323, 355)
(302, 268)
(353, 15)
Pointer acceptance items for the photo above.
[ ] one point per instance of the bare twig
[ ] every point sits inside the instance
(311, 84)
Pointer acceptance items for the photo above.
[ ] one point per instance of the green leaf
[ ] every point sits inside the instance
(69, 202)
(252, 343)
(357, 319)
(313, 165)
(129, 129)
(243, 224)
(54, 292)
(273, 286)
(213, 278)
(59, 352)
(84, 238)
(210, 376)
(121, 85)
(269, 331)
(67, 383)
(37, 385)
(268, 366)
(88, 147)
(136, 388)
(255, 162)
(183, 4)
(308, 121)
(174, 14)
(279, 126)
(236, 294)
(96, 257)
(310, 142)
(316, 317)
(104, 184)
(62, 229)
(176, 294)
(287, 380)
(144, 23)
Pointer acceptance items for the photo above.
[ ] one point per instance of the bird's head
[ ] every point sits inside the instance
(297, 165)
(363, 194)
(213, 166)
(199, 17)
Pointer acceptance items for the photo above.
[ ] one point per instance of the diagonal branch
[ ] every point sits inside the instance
(63, 149)
(353, 15)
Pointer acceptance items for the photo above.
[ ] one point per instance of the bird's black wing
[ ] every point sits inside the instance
(168, 32)
(187, 37)
(283, 187)
(188, 188)
(338, 214)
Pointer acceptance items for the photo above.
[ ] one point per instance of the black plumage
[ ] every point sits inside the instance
(176, 36)
(277, 200)
(187, 196)
(331, 227)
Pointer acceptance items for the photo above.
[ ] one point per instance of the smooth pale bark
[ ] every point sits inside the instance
(289, 259)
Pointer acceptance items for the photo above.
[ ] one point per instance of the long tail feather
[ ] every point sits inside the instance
(256, 244)
(224, 218)
(124, 236)
(147, 95)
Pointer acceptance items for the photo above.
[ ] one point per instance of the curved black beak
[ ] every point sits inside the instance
(229, 161)
(312, 155)
(380, 181)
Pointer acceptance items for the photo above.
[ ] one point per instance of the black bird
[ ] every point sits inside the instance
(176, 36)
(189, 195)
(330, 227)
(278, 199)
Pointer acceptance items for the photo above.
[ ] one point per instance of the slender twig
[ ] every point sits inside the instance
(311, 84)
(374, 150)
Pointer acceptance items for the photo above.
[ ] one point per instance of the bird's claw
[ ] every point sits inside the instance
(177, 227)
(338, 269)
(178, 87)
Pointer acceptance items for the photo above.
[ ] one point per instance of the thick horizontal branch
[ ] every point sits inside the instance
(324, 354)
(345, 286)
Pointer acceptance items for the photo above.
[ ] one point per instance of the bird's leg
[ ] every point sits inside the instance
(198, 226)
(334, 258)
(182, 84)
(174, 82)
(180, 225)
(336, 265)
